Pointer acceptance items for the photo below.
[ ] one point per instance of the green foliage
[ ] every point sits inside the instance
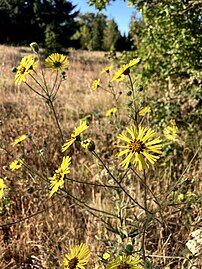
(96, 32)
(170, 43)
(23, 19)
(51, 39)
(99, 4)
(167, 38)
(111, 36)
(98, 26)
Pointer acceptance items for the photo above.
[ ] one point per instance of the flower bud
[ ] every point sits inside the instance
(129, 93)
(129, 104)
(35, 47)
(14, 69)
(88, 144)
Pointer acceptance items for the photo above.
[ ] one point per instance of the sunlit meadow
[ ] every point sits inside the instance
(92, 173)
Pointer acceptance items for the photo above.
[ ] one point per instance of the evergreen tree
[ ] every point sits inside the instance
(90, 33)
(98, 26)
(42, 21)
(56, 16)
(110, 36)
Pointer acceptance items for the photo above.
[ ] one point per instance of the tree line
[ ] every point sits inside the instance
(55, 24)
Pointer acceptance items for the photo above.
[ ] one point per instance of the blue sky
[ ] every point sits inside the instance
(118, 10)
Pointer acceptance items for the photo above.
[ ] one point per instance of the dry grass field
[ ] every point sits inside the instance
(35, 230)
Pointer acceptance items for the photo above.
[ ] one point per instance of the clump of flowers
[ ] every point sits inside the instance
(141, 148)
(77, 258)
(57, 62)
(57, 180)
(18, 140)
(75, 135)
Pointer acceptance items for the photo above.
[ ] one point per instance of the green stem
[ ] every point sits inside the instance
(54, 84)
(134, 107)
(58, 87)
(50, 103)
(35, 91)
(146, 220)
(118, 183)
(38, 83)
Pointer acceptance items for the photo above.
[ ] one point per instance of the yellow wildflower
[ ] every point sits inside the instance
(27, 64)
(106, 256)
(171, 132)
(18, 140)
(125, 262)
(57, 180)
(144, 110)
(2, 187)
(139, 148)
(77, 258)
(77, 131)
(56, 62)
(106, 69)
(111, 112)
(125, 69)
(95, 84)
(16, 164)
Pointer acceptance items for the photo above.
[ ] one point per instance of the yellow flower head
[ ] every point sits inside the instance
(125, 262)
(106, 256)
(77, 258)
(171, 132)
(106, 69)
(125, 69)
(57, 62)
(57, 180)
(77, 131)
(144, 110)
(140, 148)
(18, 140)
(95, 84)
(2, 187)
(111, 112)
(27, 64)
(16, 164)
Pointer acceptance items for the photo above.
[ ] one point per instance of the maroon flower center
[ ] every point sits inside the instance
(57, 64)
(136, 146)
(73, 263)
(22, 70)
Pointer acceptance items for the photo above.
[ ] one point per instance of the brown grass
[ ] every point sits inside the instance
(41, 230)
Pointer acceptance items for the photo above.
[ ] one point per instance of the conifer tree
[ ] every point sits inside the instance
(110, 36)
